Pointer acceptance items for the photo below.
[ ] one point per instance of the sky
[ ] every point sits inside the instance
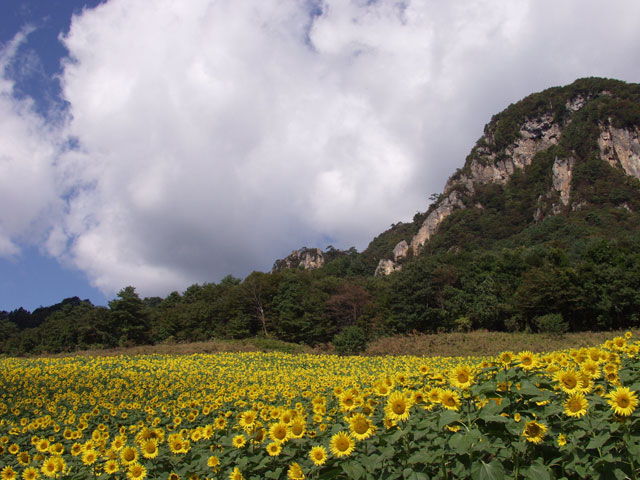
(159, 144)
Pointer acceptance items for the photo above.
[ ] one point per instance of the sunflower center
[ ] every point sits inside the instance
(398, 408)
(342, 444)
(361, 427)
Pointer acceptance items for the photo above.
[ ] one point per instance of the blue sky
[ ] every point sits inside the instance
(159, 144)
(33, 279)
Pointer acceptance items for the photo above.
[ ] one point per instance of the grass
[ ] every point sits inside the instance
(476, 343)
(482, 342)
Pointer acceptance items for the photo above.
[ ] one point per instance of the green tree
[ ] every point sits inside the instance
(131, 317)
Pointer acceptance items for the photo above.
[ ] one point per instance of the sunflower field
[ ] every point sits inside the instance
(564, 414)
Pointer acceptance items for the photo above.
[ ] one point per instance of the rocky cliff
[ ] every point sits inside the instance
(305, 258)
(572, 125)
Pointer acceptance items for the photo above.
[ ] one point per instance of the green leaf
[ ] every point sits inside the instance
(424, 458)
(275, 474)
(537, 471)
(447, 417)
(598, 441)
(487, 471)
(353, 470)
(460, 442)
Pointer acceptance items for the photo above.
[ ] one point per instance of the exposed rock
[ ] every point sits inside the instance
(576, 103)
(386, 267)
(305, 258)
(535, 135)
(434, 219)
(621, 148)
(400, 250)
(562, 172)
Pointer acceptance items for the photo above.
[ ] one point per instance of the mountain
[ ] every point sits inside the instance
(557, 152)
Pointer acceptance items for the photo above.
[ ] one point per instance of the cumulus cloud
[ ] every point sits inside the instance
(28, 196)
(212, 137)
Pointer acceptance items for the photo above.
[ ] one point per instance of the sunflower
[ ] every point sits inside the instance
(239, 441)
(236, 474)
(360, 427)
(149, 448)
(381, 389)
(506, 358)
(8, 473)
(623, 401)
(534, 432)
(342, 444)
(248, 420)
(213, 461)
(433, 395)
(528, 360)
(89, 456)
(42, 445)
(297, 427)
(76, 449)
(279, 432)
(562, 440)
(128, 455)
(398, 406)
(567, 380)
(295, 472)
(24, 458)
(318, 455)
(274, 449)
(450, 399)
(576, 405)
(348, 401)
(30, 474)
(462, 377)
(49, 467)
(220, 423)
(591, 368)
(136, 472)
(111, 467)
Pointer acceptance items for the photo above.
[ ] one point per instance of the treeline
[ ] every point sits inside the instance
(595, 285)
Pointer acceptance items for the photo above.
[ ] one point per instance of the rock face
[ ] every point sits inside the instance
(305, 258)
(621, 148)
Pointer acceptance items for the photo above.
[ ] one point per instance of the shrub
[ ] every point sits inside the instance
(350, 341)
(552, 323)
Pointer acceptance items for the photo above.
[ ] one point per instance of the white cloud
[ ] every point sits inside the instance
(214, 137)
(28, 197)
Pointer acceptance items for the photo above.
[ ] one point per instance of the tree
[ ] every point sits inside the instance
(131, 317)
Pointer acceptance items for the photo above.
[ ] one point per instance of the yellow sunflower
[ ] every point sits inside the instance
(623, 401)
(8, 473)
(528, 360)
(239, 441)
(318, 455)
(567, 380)
(279, 432)
(128, 455)
(360, 427)
(462, 377)
(576, 405)
(30, 474)
(341, 444)
(450, 399)
(295, 472)
(236, 474)
(534, 432)
(274, 449)
(111, 467)
(398, 406)
(136, 472)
